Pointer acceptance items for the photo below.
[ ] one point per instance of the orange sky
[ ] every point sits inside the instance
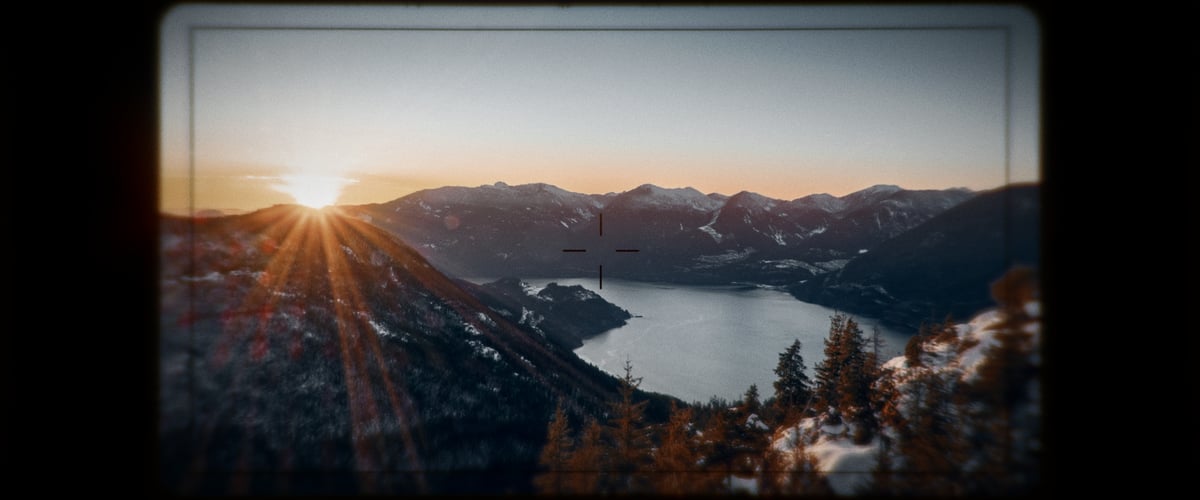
(782, 113)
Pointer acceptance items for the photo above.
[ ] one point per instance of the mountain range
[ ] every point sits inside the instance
(680, 234)
(903, 256)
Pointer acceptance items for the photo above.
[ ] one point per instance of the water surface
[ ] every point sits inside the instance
(694, 342)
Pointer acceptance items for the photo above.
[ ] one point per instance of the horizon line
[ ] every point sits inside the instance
(184, 211)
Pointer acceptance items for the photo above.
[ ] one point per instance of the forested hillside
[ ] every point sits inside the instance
(957, 414)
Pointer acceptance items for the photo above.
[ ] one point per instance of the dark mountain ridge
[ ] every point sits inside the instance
(940, 267)
(564, 314)
(307, 351)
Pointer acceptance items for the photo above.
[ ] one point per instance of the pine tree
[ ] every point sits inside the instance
(885, 404)
(992, 402)
(630, 436)
(964, 437)
(930, 441)
(885, 397)
(829, 370)
(589, 461)
(793, 389)
(675, 463)
(881, 474)
(1003, 386)
(844, 377)
(750, 402)
(913, 348)
(854, 382)
(854, 356)
(875, 344)
(718, 449)
(555, 455)
(869, 424)
(749, 436)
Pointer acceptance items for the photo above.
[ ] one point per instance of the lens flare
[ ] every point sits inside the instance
(313, 190)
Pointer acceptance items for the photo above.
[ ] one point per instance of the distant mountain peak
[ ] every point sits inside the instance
(751, 196)
(870, 195)
(823, 201)
(652, 196)
(500, 194)
(882, 188)
(751, 200)
(533, 186)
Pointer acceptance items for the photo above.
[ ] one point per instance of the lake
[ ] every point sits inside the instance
(695, 342)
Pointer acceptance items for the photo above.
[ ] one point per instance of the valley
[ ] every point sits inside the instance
(343, 346)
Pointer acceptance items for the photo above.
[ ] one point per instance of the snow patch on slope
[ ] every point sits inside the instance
(484, 351)
(711, 232)
(531, 290)
(729, 257)
(814, 267)
(847, 466)
(651, 196)
(707, 228)
(778, 236)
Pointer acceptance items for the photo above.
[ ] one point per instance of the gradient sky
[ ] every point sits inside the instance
(782, 113)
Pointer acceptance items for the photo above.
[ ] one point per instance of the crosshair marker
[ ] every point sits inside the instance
(600, 269)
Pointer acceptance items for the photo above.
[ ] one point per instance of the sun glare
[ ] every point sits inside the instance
(312, 190)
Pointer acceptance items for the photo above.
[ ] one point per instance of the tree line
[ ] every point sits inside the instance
(935, 432)
(706, 448)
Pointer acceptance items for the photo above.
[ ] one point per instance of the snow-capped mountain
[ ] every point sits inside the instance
(503, 195)
(938, 267)
(876, 214)
(821, 201)
(651, 197)
(750, 220)
(870, 195)
(490, 230)
(681, 234)
(301, 340)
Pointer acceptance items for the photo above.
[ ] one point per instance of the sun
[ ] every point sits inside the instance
(313, 190)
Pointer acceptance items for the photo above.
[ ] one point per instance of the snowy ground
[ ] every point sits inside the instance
(848, 466)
